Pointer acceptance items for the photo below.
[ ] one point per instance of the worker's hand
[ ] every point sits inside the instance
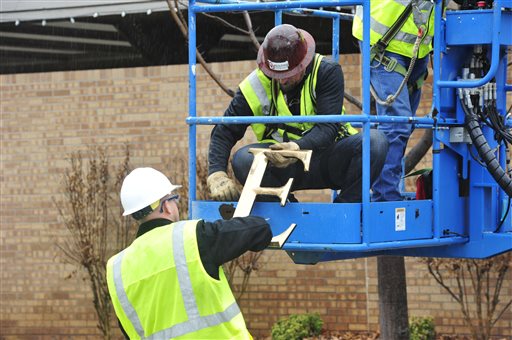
(278, 160)
(222, 188)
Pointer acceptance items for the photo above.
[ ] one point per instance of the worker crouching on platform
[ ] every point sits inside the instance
(169, 282)
(292, 80)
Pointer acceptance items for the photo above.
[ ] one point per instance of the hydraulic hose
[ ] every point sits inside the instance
(485, 152)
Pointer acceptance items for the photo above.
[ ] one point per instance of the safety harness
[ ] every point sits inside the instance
(271, 129)
(391, 64)
(308, 90)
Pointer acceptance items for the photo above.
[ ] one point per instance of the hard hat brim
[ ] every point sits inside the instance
(131, 211)
(310, 42)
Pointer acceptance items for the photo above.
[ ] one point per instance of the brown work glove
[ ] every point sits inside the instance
(278, 160)
(222, 188)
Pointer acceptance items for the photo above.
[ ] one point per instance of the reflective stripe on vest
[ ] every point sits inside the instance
(195, 322)
(257, 90)
(260, 91)
(403, 41)
(128, 309)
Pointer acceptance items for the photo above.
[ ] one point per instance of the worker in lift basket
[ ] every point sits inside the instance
(399, 60)
(292, 80)
(169, 282)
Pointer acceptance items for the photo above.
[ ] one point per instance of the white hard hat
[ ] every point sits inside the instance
(142, 187)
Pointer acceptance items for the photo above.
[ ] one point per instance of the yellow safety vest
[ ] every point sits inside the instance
(384, 13)
(160, 289)
(258, 90)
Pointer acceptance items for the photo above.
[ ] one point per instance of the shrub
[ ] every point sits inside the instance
(422, 328)
(297, 327)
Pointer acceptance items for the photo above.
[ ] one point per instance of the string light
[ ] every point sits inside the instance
(123, 14)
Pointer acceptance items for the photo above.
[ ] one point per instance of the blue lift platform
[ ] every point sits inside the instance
(469, 214)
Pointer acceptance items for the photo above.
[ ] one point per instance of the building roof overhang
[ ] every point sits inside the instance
(25, 10)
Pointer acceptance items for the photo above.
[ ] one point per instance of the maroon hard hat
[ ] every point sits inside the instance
(285, 52)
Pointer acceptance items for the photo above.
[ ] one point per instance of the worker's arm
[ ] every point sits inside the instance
(329, 97)
(224, 240)
(224, 137)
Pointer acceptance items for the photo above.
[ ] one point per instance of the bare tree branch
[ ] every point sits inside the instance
(250, 31)
(501, 313)
(479, 278)
(88, 192)
(173, 9)
(225, 23)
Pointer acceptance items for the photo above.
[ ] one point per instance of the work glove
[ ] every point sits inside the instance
(278, 160)
(222, 188)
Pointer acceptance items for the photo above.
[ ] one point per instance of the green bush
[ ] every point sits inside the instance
(297, 327)
(422, 328)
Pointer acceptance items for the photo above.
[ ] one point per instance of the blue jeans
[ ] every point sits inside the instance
(385, 83)
(337, 167)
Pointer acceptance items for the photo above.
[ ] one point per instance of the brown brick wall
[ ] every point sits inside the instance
(45, 117)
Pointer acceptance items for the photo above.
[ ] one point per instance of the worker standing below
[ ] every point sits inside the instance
(292, 80)
(401, 34)
(169, 282)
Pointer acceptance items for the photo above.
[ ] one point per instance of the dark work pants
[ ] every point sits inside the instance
(338, 167)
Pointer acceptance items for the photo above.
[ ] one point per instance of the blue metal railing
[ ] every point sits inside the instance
(364, 120)
(310, 119)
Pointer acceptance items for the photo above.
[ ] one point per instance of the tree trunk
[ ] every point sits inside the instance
(394, 320)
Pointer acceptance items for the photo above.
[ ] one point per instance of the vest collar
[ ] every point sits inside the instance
(152, 224)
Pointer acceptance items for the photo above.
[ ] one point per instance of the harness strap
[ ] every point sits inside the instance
(391, 65)
(391, 98)
(380, 46)
(384, 41)
(270, 128)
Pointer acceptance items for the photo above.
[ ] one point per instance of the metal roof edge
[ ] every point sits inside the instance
(84, 11)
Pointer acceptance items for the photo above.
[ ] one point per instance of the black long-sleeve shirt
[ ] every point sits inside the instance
(329, 100)
(221, 241)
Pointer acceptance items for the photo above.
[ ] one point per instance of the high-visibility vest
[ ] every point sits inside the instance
(266, 99)
(160, 289)
(384, 13)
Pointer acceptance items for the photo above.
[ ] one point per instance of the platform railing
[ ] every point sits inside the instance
(365, 120)
(223, 6)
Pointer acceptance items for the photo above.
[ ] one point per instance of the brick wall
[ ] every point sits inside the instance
(45, 117)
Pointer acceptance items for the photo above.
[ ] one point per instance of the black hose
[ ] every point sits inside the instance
(485, 152)
(504, 217)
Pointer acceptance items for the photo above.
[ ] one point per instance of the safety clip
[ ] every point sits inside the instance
(390, 65)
